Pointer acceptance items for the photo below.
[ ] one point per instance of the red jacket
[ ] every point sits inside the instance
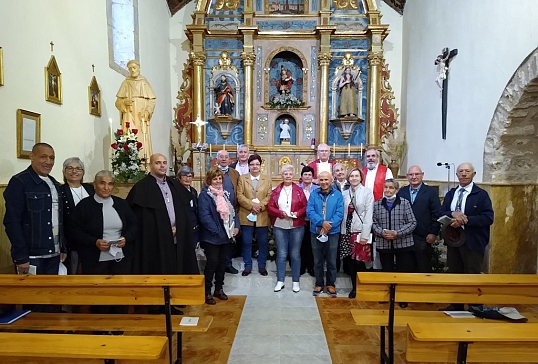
(379, 180)
(298, 204)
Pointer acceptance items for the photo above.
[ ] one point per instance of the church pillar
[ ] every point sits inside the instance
(375, 63)
(198, 61)
(324, 60)
(248, 62)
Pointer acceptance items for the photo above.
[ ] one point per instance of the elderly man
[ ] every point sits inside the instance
(229, 183)
(375, 174)
(241, 165)
(470, 207)
(164, 238)
(323, 162)
(425, 204)
(34, 219)
(340, 181)
(325, 210)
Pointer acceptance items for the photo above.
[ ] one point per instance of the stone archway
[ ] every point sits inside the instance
(511, 173)
(511, 147)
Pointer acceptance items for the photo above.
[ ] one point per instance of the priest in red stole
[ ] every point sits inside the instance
(324, 152)
(375, 175)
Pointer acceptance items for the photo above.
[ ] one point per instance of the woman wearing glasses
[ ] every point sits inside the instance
(253, 193)
(73, 191)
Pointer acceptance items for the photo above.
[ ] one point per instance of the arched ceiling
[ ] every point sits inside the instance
(176, 5)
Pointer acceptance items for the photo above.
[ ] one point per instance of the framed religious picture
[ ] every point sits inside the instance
(1, 68)
(53, 82)
(94, 98)
(28, 132)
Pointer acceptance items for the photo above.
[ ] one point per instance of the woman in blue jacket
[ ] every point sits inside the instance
(218, 227)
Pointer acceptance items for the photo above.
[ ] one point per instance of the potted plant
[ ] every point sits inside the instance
(394, 150)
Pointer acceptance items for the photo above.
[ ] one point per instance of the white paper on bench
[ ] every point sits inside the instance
(459, 314)
(189, 321)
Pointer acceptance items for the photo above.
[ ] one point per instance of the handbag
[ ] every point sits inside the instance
(362, 222)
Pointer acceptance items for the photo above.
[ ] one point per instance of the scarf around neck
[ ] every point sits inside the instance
(222, 205)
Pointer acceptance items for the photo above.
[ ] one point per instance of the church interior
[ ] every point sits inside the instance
(426, 82)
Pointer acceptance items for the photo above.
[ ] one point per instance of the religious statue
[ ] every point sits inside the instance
(347, 88)
(285, 82)
(285, 131)
(136, 101)
(441, 67)
(224, 97)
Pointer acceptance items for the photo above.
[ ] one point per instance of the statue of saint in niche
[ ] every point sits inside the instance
(136, 101)
(224, 95)
(285, 82)
(285, 131)
(347, 88)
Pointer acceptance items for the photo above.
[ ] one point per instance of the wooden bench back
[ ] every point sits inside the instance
(101, 290)
(442, 288)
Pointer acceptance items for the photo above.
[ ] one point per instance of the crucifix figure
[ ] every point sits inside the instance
(93, 68)
(51, 46)
(442, 62)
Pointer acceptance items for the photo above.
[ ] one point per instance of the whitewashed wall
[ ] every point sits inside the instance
(492, 40)
(79, 32)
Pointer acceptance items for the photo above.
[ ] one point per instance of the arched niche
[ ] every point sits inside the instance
(293, 62)
(292, 123)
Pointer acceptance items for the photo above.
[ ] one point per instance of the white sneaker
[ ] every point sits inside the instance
(296, 288)
(279, 286)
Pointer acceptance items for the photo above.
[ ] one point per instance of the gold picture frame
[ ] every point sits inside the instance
(28, 132)
(94, 98)
(53, 82)
(1, 67)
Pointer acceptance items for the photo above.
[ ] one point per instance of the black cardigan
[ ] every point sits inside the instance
(88, 227)
(69, 208)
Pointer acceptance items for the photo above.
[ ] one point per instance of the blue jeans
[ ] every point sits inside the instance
(325, 252)
(288, 240)
(263, 245)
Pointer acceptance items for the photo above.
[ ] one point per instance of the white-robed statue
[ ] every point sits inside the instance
(285, 131)
(136, 101)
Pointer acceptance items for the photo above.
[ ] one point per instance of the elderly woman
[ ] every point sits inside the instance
(73, 191)
(104, 232)
(287, 208)
(253, 192)
(356, 226)
(393, 224)
(184, 176)
(218, 227)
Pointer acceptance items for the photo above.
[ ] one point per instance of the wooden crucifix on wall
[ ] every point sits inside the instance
(442, 62)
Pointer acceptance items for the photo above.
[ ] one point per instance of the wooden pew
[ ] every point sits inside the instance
(164, 290)
(19, 348)
(435, 288)
(478, 342)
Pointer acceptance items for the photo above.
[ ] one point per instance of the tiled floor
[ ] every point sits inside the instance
(283, 327)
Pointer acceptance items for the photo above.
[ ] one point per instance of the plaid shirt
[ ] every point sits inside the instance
(400, 218)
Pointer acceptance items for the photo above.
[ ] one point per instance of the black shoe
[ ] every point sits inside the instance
(403, 304)
(263, 271)
(231, 270)
(246, 272)
(453, 307)
(220, 295)
(352, 294)
(210, 300)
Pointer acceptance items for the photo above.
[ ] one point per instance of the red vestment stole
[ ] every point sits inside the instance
(379, 180)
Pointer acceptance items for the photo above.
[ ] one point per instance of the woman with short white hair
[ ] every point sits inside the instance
(287, 208)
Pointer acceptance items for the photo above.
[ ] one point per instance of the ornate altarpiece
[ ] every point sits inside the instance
(255, 63)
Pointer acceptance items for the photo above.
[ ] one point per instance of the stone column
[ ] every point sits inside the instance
(248, 62)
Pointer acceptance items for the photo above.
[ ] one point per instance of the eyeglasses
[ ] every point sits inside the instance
(74, 169)
(254, 164)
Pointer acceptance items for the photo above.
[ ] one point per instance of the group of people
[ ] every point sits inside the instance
(359, 217)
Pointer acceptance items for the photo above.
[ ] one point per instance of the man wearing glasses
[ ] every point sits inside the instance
(323, 163)
(425, 204)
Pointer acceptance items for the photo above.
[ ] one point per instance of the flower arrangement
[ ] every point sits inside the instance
(395, 146)
(126, 160)
(285, 101)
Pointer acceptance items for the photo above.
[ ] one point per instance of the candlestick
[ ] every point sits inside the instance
(334, 149)
(210, 150)
(348, 150)
(361, 150)
(223, 146)
(111, 130)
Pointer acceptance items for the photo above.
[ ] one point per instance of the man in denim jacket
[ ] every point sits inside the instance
(33, 218)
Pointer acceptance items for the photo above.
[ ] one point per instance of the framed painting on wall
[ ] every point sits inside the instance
(28, 132)
(53, 82)
(94, 97)
(1, 68)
